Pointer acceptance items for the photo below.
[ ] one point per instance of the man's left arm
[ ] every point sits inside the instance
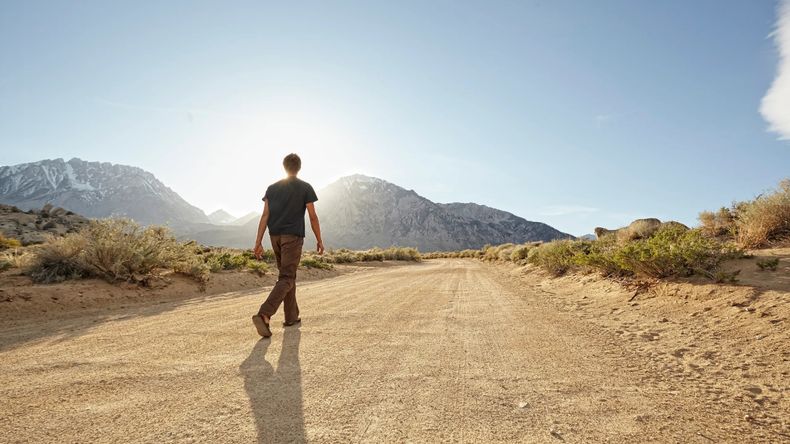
(258, 249)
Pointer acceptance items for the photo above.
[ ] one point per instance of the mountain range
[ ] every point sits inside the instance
(356, 212)
(96, 189)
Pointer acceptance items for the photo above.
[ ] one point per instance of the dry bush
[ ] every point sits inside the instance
(17, 258)
(720, 223)
(115, 250)
(6, 243)
(764, 220)
(58, 259)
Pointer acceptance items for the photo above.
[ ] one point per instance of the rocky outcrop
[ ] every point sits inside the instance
(638, 229)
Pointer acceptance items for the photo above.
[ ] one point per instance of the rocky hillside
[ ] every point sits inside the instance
(361, 212)
(96, 189)
(33, 226)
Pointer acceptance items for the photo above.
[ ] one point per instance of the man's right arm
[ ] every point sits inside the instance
(258, 249)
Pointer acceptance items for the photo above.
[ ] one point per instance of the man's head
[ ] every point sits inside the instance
(292, 164)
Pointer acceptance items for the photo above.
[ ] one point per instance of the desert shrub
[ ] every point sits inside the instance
(223, 259)
(122, 250)
(765, 219)
(498, 252)
(116, 250)
(558, 256)
(17, 258)
(503, 253)
(5, 265)
(258, 267)
(226, 260)
(343, 257)
(196, 269)
(674, 252)
(314, 262)
(519, 253)
(727, 277)
(720, 223)
(470, 253)
(6, 243)
(58, 259)
(402, 254)
(768, 264)
(600, 256)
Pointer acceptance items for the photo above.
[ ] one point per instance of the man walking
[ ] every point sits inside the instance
(284, 205)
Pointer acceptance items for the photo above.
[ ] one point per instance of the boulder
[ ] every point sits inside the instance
(638, 229)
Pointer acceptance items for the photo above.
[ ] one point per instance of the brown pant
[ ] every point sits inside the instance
(287, 251)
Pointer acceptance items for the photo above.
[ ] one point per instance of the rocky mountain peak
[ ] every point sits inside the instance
(95, 189)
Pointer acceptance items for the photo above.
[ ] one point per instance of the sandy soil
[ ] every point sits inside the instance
(447, 350)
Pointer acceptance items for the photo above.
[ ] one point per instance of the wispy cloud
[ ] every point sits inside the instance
(603, 119)
(189, 113)
(565, 210)
(775, 106)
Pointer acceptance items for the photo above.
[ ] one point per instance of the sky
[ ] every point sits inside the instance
(577, 114)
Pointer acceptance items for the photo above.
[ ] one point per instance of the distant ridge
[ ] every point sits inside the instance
(361, 212)
(96, 189)
(221, 217)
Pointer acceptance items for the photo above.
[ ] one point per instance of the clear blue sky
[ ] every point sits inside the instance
(577, 113)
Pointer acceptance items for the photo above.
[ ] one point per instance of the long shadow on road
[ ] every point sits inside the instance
(276, 395)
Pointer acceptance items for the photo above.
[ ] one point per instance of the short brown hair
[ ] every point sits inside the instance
(292, 163)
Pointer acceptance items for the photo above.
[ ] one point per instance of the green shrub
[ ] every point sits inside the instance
(673, 252)
(345, 256)
(727, 277)
(601, 256)
(557, 257)
(312, 262)
(768, 264)
(258, 267)
(520, 253)
(4, 265)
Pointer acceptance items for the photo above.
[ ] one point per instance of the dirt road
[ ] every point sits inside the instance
(441, 351)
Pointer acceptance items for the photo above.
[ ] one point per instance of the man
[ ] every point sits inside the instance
(283, 213)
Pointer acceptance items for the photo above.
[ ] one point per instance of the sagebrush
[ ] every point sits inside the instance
(115, 250)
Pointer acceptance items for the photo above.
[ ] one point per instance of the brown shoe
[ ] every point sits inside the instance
(288, 324)
(261, 326)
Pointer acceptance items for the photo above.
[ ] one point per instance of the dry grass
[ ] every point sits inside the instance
(17, 258)
(764, 220)
(6, 243)
(115, 250)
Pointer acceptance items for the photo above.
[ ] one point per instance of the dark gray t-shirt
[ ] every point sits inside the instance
(287, 203)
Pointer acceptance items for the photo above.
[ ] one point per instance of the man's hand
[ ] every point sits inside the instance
(320, 247)
(258, 251)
